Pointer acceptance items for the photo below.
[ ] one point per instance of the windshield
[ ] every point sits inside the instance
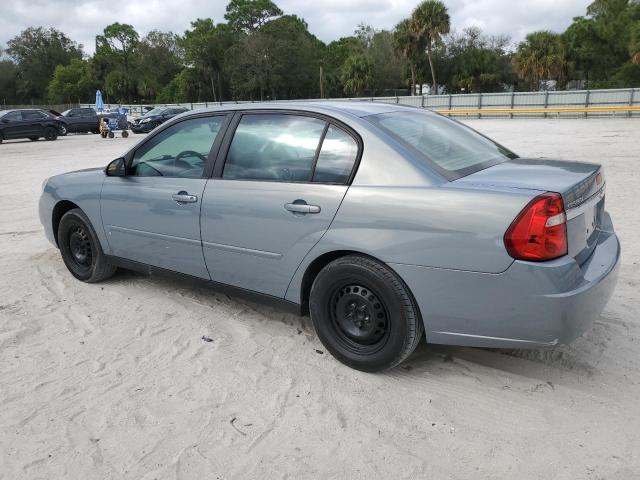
(453, 149)
(4, 112)
(155, 111)
(65, 113)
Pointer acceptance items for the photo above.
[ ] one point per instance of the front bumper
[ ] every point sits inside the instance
(142, 128)
(45, 212)
(529, 305)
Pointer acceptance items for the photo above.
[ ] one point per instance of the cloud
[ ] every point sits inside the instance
(329, 20)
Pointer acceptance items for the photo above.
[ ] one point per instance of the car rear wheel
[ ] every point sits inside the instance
(364, 314)
(80, 248)
(51, 134)
(1, 137)
(63, 130)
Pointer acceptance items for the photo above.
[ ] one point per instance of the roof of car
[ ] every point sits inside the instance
(351, 107)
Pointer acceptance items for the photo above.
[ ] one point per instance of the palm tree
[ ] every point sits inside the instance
(430, 20)
(541, 56)
(356, 74)
(408, 44)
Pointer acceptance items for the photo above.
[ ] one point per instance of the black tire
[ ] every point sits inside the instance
(80, 248)
(125, 134)
(364, 314)
(34, 139)
(51, 134)
(63, 130)
(111, 134)
(1, 137)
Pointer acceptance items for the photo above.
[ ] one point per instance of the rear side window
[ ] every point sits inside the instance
(274, 147)
(337, 157)
(449, 147)
(31, 115)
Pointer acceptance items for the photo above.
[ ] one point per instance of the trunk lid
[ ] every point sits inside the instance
(580, 184)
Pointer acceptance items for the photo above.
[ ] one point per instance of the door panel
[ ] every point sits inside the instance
(252, 241)
(153, 214)
(144, 223)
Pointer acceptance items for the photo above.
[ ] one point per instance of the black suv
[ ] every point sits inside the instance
(155, 117)
(79, 120)
(28, 123)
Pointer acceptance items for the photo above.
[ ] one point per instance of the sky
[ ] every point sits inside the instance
(329, 20)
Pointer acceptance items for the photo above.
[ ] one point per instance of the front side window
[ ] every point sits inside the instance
(275, 147)
(337, 157)
(452, 148)
(179, 151)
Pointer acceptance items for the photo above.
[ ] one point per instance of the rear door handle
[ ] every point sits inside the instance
(300, 207)
(184, 197)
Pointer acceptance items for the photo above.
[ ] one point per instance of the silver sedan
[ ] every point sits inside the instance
(388, 224)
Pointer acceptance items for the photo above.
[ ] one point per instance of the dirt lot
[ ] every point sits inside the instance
(113, 381)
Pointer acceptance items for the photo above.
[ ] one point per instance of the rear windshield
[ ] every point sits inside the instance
(449, 147)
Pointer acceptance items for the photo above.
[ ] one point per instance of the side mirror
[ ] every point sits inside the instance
(116, 168)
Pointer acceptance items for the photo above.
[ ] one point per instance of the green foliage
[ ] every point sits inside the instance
(357, 74)
(634, 43)
(478, 63)
(410, 45)
(205, 46)
(430, 21)
(250, 15)
(159, 61)
(116, 52)
(72, 83)
(542, 56)
(8, 82)
(37, 52)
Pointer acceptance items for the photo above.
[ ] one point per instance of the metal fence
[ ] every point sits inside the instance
(547, 104)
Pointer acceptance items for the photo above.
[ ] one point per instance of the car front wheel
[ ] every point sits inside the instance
(63, 130)
(80, 248)
(364, 314)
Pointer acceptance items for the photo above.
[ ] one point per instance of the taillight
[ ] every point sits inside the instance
(539, 232)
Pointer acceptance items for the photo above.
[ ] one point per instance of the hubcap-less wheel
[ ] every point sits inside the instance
(364, 314)
(80, 247)
(51, 134)
(359, 314)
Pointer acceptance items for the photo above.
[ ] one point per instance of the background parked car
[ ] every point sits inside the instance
(155, 117)
(28, 123)
(78, 120)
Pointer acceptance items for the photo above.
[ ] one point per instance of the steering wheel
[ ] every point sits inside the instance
(178, 161)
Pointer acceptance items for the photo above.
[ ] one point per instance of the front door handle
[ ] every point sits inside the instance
(184, 197)
(301, 207)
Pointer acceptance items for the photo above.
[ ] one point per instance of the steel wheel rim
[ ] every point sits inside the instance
(359, 318)
(80, 247)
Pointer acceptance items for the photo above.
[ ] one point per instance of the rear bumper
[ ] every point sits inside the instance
(528, 305)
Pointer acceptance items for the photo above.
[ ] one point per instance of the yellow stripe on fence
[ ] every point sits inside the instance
(488, 111)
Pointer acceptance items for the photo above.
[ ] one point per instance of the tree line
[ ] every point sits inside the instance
(261, 53)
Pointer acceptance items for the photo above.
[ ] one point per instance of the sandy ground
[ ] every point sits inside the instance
(113, 380)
